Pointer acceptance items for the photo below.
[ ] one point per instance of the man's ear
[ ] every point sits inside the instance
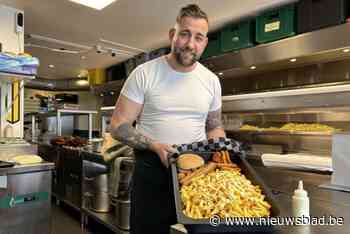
(172, 32)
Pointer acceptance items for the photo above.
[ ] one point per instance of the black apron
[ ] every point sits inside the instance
(152, 198)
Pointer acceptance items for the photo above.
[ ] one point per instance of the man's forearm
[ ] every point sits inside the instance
(214, 126)
(128, 135)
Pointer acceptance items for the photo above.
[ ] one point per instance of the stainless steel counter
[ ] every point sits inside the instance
(25, 190)
(322, 202)
(27, 168)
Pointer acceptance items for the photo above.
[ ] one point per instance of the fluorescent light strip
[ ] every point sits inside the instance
(96, 4)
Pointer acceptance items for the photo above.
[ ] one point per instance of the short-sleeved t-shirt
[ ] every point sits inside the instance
(175, 104)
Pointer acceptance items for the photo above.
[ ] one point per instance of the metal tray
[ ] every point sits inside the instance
(203, 225)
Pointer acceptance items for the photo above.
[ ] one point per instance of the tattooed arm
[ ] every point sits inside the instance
(214, 125)
(125, 113)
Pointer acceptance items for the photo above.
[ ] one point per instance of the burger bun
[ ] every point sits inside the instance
(189, 161)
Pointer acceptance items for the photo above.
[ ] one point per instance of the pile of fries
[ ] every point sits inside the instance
(220, 189)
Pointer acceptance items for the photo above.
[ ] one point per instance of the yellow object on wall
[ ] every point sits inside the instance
(14, 114)
(97, 76)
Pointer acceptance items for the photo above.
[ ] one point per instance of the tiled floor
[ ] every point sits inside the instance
(66, 220)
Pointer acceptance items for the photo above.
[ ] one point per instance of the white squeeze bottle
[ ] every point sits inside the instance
(300, 203)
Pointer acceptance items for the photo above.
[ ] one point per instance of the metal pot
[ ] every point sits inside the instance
(100, 202)
(100, 183)
(122, 213)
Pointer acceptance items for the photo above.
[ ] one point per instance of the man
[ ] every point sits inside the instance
(175, 100)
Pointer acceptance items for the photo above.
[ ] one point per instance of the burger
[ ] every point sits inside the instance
(189, 161)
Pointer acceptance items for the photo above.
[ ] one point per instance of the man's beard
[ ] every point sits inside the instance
(180, 55)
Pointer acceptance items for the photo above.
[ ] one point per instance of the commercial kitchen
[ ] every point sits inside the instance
(284, 69)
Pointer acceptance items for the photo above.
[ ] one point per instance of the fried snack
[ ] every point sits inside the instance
(307, 127)
(217, 157)
(249, 127)
(224, 192)
(228, 157)
(181, 175)
(230, 165)
(199, 172)
(224, 157)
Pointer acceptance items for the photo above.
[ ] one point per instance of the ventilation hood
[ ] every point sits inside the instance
(308, 48)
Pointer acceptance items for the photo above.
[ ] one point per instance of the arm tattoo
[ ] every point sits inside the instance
(213, 120)
(128, 135)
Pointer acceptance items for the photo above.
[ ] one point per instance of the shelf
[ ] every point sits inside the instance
(14, 77)
(287, 133)
(67, 202)
(107, 219)
(316, 97)
(63, 112)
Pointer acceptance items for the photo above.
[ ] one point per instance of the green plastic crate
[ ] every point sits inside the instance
(213, 47)
(238, 36)
(276, 24)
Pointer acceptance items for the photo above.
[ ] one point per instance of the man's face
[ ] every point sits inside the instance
(188, 40)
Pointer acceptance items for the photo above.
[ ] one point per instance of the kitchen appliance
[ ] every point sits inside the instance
(24, 190)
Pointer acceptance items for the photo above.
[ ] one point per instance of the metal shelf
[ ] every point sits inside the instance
(14, 77)
(69, 203)
(288, 133)
(106, 219)
(62, 112)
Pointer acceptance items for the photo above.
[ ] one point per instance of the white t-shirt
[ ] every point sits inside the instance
(175, 104)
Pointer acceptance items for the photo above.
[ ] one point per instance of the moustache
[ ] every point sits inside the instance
(189, 51)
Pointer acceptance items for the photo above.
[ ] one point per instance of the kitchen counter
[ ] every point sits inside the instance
(25, 190)
(7, 151)
(322, 202)
(44, 166)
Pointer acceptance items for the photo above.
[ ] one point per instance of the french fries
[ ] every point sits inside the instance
(200, 172)
(219, 188)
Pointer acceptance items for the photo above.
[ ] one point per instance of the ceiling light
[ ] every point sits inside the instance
(82, 82)
(220, 73)
(96, 4)
(253, 67)
(346, 50)
(83, 57)
(293, 60)
(51, 66)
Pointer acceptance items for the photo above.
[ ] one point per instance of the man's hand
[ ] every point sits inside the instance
(163, 151)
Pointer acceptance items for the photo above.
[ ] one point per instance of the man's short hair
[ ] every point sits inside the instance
(191, 10)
